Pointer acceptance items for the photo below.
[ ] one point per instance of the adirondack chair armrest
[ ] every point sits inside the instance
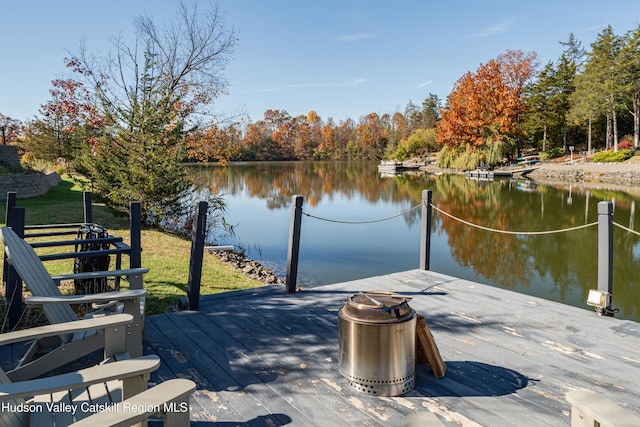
(170, 398)
(101, 323)
(133, 369)
(99, 274)
(588, 408)
(88, 299)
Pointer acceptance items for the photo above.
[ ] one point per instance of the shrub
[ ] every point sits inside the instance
(552, 153)
(612, 156)
(28, 158)
(419, 142)
(625, 145)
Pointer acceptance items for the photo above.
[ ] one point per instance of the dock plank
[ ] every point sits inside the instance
(271, 358)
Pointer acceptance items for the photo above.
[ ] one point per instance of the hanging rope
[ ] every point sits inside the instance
(625, 228)
(530, 233)
(362, 222)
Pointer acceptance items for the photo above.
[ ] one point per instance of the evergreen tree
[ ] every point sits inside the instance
(565, 75)
(540, 102)
(586, 105)
(604, 75)
(151, 95)
(630, 65)
(430, 111)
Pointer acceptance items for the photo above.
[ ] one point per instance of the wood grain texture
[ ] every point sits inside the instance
(266, 357)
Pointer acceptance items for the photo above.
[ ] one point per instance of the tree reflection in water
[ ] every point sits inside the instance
(559, 266)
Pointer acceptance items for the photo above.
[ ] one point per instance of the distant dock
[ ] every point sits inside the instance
(391, 167)
(499, 173)
(488, 174)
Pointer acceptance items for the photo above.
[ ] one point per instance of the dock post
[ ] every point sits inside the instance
(88, 210)
(605, 251)
(13, 285)
(425, 232)
(294, 243)
(135, 226)
(11, 203)
(197, 252)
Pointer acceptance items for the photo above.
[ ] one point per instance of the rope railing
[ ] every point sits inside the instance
(605, 225)
(494, 230)
(626, 228)
(370, 221)
(530, 233)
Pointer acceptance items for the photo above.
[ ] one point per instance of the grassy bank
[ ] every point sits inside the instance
(165, 254)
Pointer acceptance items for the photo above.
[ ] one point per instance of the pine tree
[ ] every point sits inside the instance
(630, 65)
(604, 74)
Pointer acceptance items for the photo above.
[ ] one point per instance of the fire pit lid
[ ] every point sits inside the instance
(377, 307)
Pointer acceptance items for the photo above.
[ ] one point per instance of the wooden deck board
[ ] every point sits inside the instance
(265, 357)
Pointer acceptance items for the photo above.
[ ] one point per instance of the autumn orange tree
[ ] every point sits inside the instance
(69, 121)
(10, 129)
(484, 108)
(218, 143)
(371, 137)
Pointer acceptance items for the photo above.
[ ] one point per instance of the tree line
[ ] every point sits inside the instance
(130, 119)
(588, 99)
(280, 136)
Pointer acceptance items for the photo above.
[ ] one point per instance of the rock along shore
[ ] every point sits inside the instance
(579, 172)
(247, 266)
(613, 173)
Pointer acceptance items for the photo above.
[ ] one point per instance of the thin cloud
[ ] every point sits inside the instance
(354, 37)
(597, 27)
(499, 28)
(348, 83)
(421, 85)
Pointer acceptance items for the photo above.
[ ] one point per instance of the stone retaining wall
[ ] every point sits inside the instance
(9, 157)
(614, 173)
(27, 184)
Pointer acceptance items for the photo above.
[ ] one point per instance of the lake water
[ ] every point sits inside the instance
(560, 267)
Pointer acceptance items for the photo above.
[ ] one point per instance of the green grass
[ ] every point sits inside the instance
(165, 254)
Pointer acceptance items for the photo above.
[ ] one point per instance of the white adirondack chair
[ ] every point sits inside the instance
(57, 308)
(110, 394)
(589, 409)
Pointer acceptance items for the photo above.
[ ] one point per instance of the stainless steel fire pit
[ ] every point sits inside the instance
(377, 333)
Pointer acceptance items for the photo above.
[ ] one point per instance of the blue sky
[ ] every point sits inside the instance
(340, 58)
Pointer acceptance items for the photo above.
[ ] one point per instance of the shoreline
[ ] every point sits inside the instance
(582, 172)
(614, 174)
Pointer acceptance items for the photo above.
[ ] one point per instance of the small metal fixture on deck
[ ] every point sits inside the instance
(377, 334)
(600, 300)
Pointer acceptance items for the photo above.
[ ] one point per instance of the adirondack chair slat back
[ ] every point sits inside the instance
(35, 276)
(11, 418)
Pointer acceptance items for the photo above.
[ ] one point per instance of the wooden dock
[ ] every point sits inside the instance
(391, 168)
(263, 357)
(486, 174)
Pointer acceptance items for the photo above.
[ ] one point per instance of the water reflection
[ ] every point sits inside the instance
(559, 266)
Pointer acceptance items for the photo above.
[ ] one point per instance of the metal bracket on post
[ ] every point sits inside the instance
(605, 253)
(294, 243)
(425, 231)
